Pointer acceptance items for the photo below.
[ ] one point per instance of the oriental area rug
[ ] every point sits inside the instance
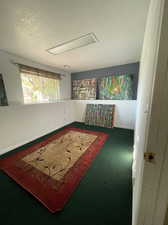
(51, 169)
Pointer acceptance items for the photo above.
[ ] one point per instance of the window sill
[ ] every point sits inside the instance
(18, 104)
(52, 102)
(102, 100)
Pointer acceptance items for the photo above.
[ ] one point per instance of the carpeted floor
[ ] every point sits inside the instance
(104, 196)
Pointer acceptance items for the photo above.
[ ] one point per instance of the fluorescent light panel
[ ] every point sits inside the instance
(73, 44)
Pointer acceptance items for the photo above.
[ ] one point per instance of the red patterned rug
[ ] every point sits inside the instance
(51, 169)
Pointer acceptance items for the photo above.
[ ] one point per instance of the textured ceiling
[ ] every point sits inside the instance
(29, 27)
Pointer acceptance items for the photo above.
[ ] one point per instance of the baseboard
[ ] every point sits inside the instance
(115, 126)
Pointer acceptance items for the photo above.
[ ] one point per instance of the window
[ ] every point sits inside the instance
(38, 85)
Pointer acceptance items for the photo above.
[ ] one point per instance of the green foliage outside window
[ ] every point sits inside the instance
(39, 89)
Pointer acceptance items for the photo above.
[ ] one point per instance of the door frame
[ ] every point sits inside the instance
(153, 199)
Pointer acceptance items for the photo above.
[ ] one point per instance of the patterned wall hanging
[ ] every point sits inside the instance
(100, 115)
(116, 87)
(84, 89)
(3, 97)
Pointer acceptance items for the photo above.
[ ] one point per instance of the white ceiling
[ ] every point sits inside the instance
(29, 27)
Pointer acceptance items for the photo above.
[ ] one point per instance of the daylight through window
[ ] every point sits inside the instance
(39, 89)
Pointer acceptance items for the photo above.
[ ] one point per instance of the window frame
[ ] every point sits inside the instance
(37, 74)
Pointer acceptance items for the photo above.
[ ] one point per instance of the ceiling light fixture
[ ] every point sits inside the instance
(73, 44)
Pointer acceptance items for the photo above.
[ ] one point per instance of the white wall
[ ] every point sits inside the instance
(125, 111)
(21, 123)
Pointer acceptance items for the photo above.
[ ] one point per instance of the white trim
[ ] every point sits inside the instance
(151, 204)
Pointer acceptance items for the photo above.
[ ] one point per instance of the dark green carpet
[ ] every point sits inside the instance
(104, 196)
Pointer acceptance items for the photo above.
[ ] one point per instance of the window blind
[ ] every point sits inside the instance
(38, 72)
